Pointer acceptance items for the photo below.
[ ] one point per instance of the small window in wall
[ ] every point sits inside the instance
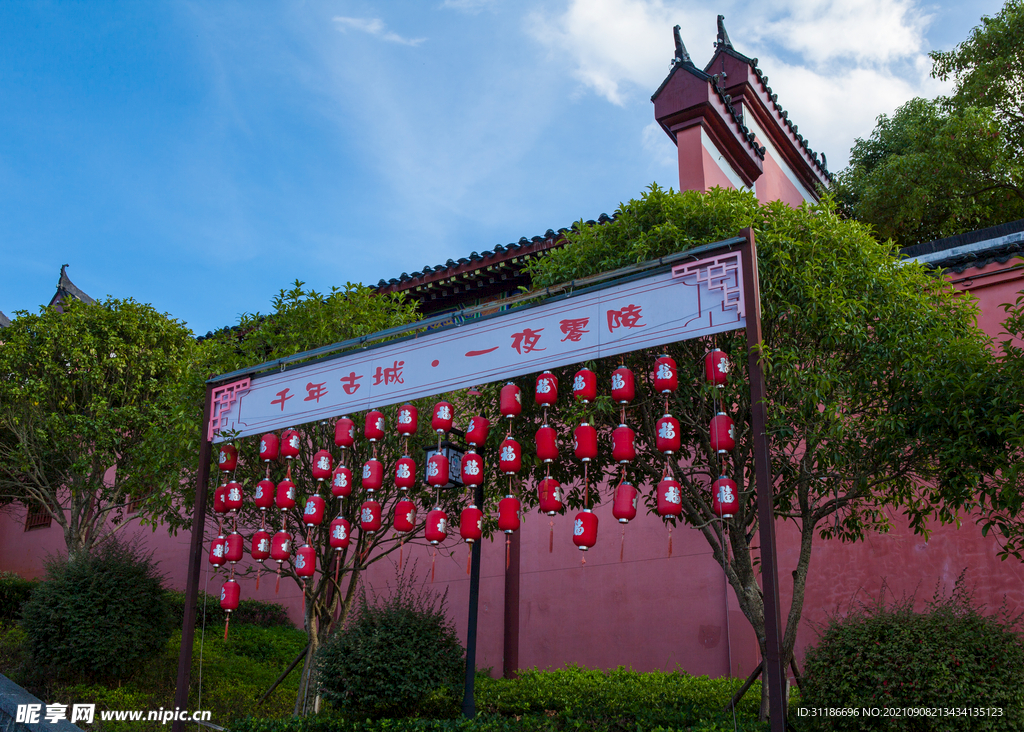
(37, 517)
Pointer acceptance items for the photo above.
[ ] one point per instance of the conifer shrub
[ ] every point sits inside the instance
(395, 655)
(14, 593)
(950, 658)
(98, 616)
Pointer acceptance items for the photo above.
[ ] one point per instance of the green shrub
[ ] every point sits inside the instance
(14, 593)
(249, 612)
(391, 655)
(98, 616)
(578, 695)
(949, 656)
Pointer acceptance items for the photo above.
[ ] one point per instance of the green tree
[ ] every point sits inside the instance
(82, 391)
(862, 355)
(988, 70)
(933, 170)
(938, 168)
(303, 320)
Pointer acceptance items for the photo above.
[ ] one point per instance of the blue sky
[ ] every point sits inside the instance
(201, 156)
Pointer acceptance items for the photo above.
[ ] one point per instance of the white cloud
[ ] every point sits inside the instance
(822, 31)
(835, 64)
(375, 27)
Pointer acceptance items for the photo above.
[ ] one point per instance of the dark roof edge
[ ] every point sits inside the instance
(999, 231)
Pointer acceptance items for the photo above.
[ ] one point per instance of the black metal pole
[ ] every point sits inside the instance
(510, 662)
(774, 674)
(195, 563)
(468, 699)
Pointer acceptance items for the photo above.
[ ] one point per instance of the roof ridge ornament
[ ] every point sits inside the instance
(723, 35)
(682, 57)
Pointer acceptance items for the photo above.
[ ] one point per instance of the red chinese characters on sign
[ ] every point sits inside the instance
(627, 317)
(282, 397)
(391, 375)
(527, 341)
(574, 328)
(348, 383)
(315, 391)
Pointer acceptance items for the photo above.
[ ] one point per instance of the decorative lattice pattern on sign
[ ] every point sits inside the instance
(223, 398)
(718, 273)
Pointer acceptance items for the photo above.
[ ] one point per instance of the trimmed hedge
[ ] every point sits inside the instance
(249, 612)
(14, 593)
(481, 723)
(566, 699)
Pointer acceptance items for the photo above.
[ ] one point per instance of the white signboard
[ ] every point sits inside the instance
(692, 300)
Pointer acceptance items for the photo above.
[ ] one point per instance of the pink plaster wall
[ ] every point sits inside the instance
(775, 185)
(698, 169)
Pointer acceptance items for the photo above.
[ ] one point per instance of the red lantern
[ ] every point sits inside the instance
(472, 469)
(550, 496)
(476, 435)
(219, 497)
(716, 367)
(290, 441)
(344, 432)
(508, 514)
(369, 516)
(340, 529)
(724, 497)
(471, 524)
(374, 428)
(313, 514)
(260, 545)
(723, 433)
(510, 457)
(281, 546)
(623, 447)
(264, 496)
(233, 496)
(670, 497)
(405, 516)
(584, 386)
(408, 420)
(444, 413)
(584, 530)
(624, 506)
(666, 376)
(285, 495)
(437, 470)
(546, 393)
(341, 482)
(547, 444)
(405, 472)
(229, 594)
(667, 434)
(234, 548)
(584, 442)
(227, 459)
(322, 463)
(373, 474)
(218, 548)
(305, 561)
(511, 402)
(623, 385)
(269, 445)
(436, 529)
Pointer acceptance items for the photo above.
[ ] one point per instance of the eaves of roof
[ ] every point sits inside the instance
(491, 266)
(958, 253)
